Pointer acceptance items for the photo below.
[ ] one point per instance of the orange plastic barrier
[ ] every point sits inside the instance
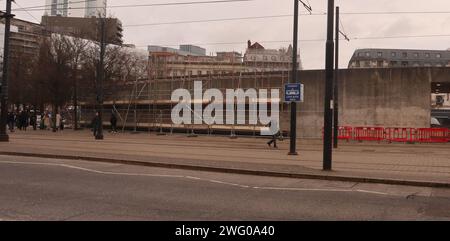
(369, 133)
(393, 134)
(432, 135)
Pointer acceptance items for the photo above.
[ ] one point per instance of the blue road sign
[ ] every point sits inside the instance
(293, 92)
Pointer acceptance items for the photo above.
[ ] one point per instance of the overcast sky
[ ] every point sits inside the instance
(279, 29)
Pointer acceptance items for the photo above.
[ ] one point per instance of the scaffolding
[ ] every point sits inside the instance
(145, 104)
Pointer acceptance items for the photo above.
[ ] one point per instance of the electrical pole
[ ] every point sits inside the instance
(336, 85)
(75, 98)
(100, 76)
(328, 113)
(293, 130)
(5, 77)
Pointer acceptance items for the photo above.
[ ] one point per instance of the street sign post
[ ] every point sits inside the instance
(293, 92)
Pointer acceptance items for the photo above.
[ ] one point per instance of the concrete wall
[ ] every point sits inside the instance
(368, 97)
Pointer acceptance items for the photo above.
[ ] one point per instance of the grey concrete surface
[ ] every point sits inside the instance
(425, 164)
(51, 189)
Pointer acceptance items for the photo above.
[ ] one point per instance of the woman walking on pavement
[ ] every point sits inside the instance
(275, 136)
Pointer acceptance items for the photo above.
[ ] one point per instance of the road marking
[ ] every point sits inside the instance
(197, 179)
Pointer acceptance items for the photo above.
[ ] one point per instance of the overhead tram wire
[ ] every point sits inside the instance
(211, 20)
(316, 40)
(15, 2)
(260, 17)
(50, 5)
(147, 5)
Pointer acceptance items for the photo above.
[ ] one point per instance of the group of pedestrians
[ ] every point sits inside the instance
(95, 123)
(46, 122)
(21, 120)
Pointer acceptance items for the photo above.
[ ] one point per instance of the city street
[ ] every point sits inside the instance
(52, 189)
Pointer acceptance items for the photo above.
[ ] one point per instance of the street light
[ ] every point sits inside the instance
(100, 76)
(5, 78)
(293, 130)
(329, 73)
(294, 79)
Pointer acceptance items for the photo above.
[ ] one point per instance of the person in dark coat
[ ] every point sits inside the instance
(19, 120)
(33, 121)
(25, 120)
(11, 121)
(113, 121)
(96, 123)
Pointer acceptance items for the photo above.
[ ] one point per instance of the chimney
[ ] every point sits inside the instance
(249, 44)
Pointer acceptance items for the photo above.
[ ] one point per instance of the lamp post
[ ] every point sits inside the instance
(100, 76)
(336, 85)
(293, 130)
(329, 71)
(5, 78)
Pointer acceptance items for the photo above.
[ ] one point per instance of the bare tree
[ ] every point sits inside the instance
(54, 65)
(78, 48)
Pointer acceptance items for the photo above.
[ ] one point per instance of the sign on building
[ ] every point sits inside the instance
(294, 92)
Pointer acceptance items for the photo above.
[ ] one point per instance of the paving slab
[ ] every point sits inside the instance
(406, 164)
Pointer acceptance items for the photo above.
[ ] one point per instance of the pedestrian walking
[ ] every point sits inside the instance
(33, 121)
(58, 122)
(95, 123)
(61, 126)
(25, 120)
(11, 121)
(47, 121)
(275, 136)
(113, 121)
(20, 120)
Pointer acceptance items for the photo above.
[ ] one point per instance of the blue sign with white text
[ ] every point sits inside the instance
(293, 92)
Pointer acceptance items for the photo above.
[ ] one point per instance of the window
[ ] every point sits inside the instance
(427, 55)
(380, 54)
(416, 55)
(394, 63)
(274, 58)
(265, 58)
(405, 55)
(357, 64)
(438, 56)
(405, 63)
(199, 72)
(360, 54)
(380, 63)
(393, 54)
(367, 54)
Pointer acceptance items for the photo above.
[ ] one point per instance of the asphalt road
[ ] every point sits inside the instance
(49, 189)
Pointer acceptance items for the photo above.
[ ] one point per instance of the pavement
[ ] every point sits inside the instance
(425, 165)
(55, 189)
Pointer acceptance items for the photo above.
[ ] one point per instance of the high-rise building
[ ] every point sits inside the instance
(95, 8)
(57, 7)
(87, 28)
(79, 9)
